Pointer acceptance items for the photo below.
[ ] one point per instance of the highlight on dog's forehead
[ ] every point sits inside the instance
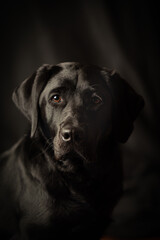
(77, 76)
(63, 77)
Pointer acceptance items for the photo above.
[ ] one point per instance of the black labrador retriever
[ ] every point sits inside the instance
(63, 179)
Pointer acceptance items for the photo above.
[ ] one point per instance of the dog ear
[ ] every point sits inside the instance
(127, 105)
(26, 95)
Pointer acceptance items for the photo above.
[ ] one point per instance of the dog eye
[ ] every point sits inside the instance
(56, 98)
(96, 100)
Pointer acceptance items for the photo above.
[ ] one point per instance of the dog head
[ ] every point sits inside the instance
(76, 107)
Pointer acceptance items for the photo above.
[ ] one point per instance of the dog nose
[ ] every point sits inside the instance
(66, 134)
(69, 134)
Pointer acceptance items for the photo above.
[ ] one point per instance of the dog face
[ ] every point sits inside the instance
(77, 107)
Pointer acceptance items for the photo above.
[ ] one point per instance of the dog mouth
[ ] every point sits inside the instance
(73, 155)
(70, 154)
(71, 161)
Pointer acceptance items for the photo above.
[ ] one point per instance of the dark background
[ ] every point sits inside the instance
(118, 34)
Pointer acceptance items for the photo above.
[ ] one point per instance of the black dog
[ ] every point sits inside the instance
(63, 180)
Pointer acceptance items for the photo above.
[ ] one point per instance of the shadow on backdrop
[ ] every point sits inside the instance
(124, 36)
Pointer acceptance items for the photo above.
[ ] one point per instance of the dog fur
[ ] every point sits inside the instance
(63, 179)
